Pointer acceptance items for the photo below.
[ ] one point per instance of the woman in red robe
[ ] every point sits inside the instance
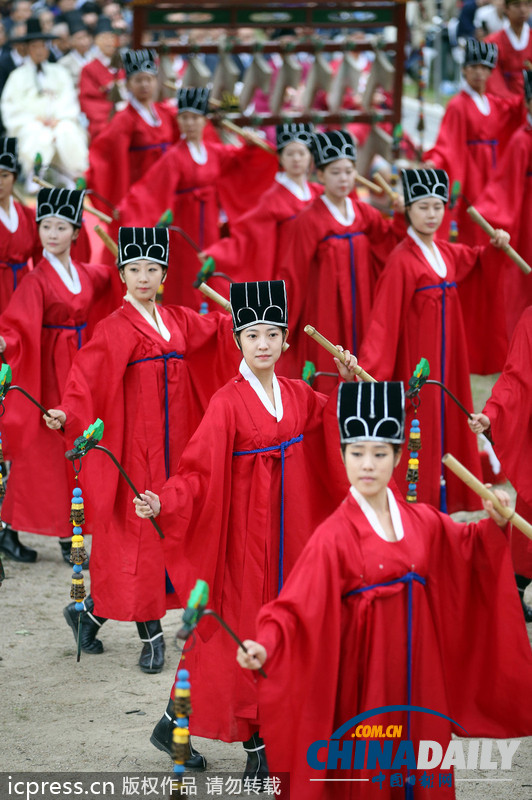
(100, 78)
(515, 50)
(393, 615)
(332, 254)
(238, 511)
(417, 314)
(19, 240)
(185, 181)
(42, 328)
(473, 135)
(256, 241)
(507, 415)
(142, 375)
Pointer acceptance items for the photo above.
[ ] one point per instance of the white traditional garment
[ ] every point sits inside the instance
(74, 62)
(29, 96)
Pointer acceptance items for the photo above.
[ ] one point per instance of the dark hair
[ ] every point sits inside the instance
(397, 448)
(237, 334)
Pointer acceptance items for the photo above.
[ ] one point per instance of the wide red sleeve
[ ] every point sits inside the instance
(108, 173)
(301, 237)
(237, 192)
(148, 198)
(505, 191)
(448, 151)
(509, 409)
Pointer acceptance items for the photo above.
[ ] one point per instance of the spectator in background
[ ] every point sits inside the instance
(81, 47)
(12, 56)
(21, 11)
(489, 19)
(99, 83)
(40, 108)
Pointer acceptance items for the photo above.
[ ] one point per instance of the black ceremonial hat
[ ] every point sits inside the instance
(290, 132)
(65, 204)
(139, 61)
(420, 183)
(9, 154)
(193, 99)
(371, 412)
(527, 77)
(135, 244)
(258, 302)
(34, 33)
(329, 146)
(104, 25)
(483, 53)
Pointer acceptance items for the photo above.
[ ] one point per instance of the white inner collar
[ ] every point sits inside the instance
(73, 283)
(10, 218)
(293, 187)
(480, 100)
(435, 259)
(257, 386)
(518, 43)
(199, 154)
(372, 518)
(150, 116)
(156, 323)
(106, 61)
(337, 214)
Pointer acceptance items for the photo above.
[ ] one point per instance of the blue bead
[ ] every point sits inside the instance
(179, 769)
(413, 455)
(411, 487)
(182, 722)
(77, 492)
(183, 674)
(415, 423)
(78, 606)
(183, 685)
(77, 568)
(76, 530)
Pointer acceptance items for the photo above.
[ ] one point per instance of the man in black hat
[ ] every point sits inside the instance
(40, 108)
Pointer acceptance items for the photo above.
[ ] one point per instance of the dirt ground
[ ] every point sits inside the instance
(59, 716)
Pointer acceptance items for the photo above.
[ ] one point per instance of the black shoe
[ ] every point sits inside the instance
(256, 765)
(90, 625)
(66, 546)
(161, 738)
(10, 545)
(151, 658)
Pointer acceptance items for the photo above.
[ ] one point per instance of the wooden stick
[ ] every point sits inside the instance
(386, 186)
(368, 184)
(18, 196)
(214, 296)
(484, 224)
(325, 343)
(86, 206)
(479, 488)
(106, 239)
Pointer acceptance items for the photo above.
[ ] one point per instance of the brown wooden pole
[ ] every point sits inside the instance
(327, 345)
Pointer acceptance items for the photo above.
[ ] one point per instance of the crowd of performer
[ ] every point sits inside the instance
(323, 537)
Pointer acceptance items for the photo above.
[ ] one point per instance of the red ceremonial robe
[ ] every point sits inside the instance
(16, 249)
(127, 375)
(254, 247)
(510, 412)
(221, 518)
(468, 147)
(44, 326)
(179, 183)
(507, 203)
(507, 77)
(95, 83)
(338, 646)
(330, 271)
(417, 314)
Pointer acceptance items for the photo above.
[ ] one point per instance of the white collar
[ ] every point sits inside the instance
(517, 43)
(293, 187)
(73, 283)
(480, 100)
(10, 218)
(257, 386)
(372, 518)
(199, 155)
(17, 58)
(337, 214)
(81, 59)
(106, 61)
(157, 324)
(435, 259)
(150, 117)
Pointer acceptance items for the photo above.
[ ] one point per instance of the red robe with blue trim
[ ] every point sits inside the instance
(507, 77)
(338, 646)
(119, 376)
(16, 250)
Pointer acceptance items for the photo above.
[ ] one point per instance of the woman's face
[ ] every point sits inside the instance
(143, 279)
(191, 125)
(369, 466)
(7, 179)
(476, 75)
(143, 86)
(56, 235)
(261, 345)
(426, 215)
(338, 178)
(295, 159)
